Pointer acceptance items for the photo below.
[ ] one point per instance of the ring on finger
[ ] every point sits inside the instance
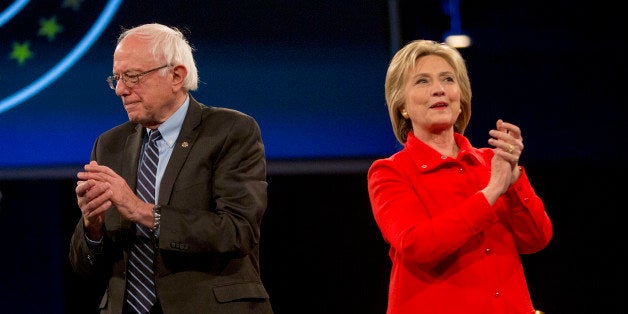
(511, 149)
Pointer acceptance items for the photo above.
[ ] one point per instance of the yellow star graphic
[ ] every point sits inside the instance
(49, 28)
(21, 52)
(74, 4)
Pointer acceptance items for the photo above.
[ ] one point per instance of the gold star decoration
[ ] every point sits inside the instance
(49, 28)
(21, 52)
(74, 4)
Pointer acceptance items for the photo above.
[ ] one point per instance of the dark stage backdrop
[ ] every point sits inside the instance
(321, 252)
(312, 74)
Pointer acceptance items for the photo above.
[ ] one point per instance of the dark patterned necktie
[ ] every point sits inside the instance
(141, 273)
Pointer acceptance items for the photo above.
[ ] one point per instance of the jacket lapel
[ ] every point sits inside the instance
(182, 147)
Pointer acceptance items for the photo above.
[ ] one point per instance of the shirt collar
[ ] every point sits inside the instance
(426, 158)
(172, 126)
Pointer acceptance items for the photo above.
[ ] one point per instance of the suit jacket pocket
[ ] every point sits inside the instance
(240, 291)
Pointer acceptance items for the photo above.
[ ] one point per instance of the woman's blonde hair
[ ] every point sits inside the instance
(403, 63)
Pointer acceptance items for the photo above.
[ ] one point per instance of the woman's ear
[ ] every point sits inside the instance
(405, 114)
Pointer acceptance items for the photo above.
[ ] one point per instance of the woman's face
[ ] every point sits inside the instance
(432, 96)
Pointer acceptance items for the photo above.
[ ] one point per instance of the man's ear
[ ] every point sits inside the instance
(179, 73)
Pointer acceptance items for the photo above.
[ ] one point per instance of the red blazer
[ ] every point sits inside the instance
(451, 251)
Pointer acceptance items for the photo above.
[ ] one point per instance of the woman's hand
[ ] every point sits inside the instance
(505, 171)
(508, 143)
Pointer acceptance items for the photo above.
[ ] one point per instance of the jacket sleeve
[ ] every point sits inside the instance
(85, 260)
(524, 213)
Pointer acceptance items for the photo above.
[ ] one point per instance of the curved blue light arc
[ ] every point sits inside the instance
(12, 10)
(69, 60)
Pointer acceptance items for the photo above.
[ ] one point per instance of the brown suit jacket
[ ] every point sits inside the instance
(212, 197)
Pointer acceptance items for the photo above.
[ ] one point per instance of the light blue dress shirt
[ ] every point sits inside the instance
(169, 132)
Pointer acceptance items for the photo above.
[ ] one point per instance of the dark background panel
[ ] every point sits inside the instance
(321, 251)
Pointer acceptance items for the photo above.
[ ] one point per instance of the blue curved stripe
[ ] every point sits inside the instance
(12, 10)
(79, 50)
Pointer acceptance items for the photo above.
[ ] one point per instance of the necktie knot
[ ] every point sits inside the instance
(154, 135)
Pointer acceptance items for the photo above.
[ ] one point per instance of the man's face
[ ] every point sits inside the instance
(149, 98)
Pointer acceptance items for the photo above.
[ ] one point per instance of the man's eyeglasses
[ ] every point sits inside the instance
(129, 80)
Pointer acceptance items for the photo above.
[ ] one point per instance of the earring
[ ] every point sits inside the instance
(404, 113)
